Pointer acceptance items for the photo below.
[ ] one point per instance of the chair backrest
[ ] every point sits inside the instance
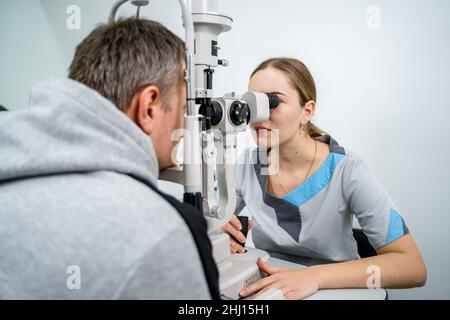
(365, 249)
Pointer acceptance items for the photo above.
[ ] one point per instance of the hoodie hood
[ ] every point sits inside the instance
(70, 128)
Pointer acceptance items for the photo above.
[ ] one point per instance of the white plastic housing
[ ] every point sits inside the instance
(259, 106)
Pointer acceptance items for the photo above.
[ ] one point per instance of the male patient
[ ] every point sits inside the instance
(79, 215)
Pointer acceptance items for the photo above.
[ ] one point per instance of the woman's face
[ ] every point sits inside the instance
(285, 120)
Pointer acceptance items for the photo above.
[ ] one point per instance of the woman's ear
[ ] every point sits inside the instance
(309, 110)
(149, 106)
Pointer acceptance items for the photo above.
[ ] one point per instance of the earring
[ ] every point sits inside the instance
(304, 127)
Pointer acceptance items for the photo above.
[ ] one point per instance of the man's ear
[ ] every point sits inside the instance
(148, 108)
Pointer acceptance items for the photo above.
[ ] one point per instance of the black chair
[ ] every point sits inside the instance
(2, 108)
(365, 249)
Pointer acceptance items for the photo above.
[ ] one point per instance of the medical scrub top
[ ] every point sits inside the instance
(315, 220)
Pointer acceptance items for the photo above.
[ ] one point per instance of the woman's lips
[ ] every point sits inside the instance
(262, 130)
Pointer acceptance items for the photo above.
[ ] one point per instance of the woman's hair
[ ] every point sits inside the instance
(300, 79)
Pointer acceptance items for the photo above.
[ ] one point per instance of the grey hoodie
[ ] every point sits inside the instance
(77, 217)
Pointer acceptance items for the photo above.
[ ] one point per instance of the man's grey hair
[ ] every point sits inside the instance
(119, 59)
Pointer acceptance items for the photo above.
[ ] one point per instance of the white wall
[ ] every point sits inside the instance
(383, 93)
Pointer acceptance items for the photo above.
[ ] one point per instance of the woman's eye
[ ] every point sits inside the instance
(280, 99)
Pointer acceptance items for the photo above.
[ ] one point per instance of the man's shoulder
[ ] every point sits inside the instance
(127, 196)
(102, 196)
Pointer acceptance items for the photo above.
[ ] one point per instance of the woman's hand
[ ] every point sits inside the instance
(237, 238)
(295, 284)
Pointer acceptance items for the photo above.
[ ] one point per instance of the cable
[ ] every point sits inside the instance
(119, 3)
(115, 8)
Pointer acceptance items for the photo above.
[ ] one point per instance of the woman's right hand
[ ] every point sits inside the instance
(237, 238)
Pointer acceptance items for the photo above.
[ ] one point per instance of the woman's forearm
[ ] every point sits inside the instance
(389, 270)
(397, 265)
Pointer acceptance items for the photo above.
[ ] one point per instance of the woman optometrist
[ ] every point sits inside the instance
(305, 208)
